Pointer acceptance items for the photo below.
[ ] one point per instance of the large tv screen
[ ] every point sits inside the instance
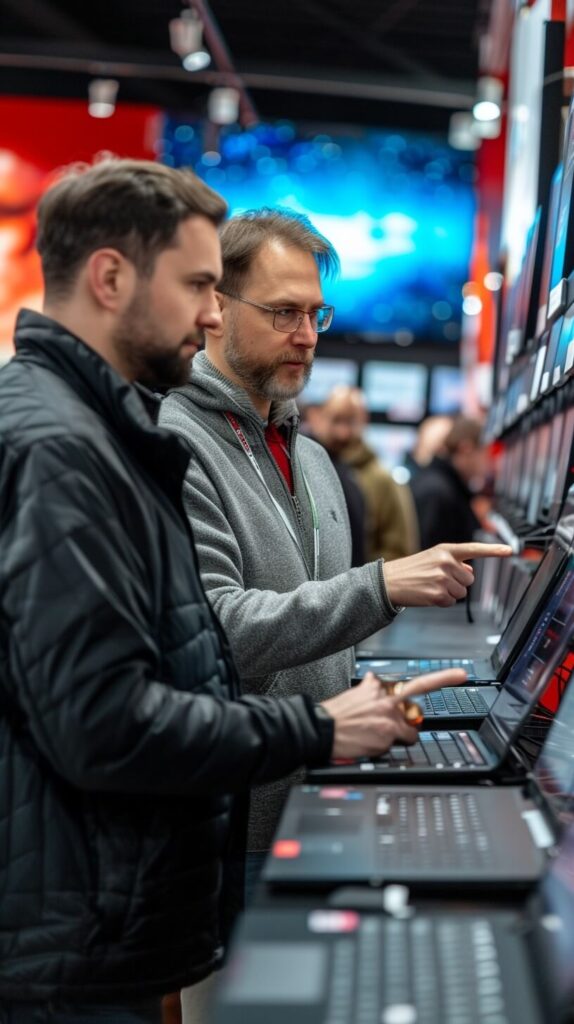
(397, 206)
(396, 389)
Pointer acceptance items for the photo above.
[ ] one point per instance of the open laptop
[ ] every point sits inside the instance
(448, 837)
(495, 667)
(330, 965)
(489, 751)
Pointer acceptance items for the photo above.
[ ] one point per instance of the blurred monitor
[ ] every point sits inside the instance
(551, 354)
(540, 360)
(564, 361)
(542, 454)
(398, 206)
(391, 444)
(525, 308)
(527, 470)
(563, 255)
(446, 390)
(396, 389)
(326, 375)
(549, 484)
(549, 249)
(565, 469)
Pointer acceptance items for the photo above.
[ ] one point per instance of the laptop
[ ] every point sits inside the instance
(451, 837)
(468, 701)
(488, 752)
(337, 965)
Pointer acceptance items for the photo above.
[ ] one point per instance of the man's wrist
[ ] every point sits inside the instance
(391, 608)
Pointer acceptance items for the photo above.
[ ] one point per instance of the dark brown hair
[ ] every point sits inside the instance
(243, 236)
(134, 206)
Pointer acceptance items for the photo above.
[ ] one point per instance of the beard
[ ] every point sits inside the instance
(152, 359)
(260, 378)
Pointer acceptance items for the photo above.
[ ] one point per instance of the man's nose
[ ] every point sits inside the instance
(210, 314)
(305, 335)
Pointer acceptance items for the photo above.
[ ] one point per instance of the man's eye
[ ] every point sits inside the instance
(284, 312)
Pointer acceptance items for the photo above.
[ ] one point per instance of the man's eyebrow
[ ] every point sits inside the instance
(203, 275)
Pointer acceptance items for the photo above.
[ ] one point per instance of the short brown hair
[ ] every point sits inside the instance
(243, 236)
(463, 430)
(134, 206)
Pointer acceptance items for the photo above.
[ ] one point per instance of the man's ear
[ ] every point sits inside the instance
(111, 279)
(223, 303)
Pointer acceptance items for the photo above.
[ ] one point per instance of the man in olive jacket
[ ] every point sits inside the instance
(121, 732)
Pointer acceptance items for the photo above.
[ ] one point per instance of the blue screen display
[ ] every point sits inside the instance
(398, 207)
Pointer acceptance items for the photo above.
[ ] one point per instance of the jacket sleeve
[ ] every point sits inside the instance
(82, 665)
(270, 630)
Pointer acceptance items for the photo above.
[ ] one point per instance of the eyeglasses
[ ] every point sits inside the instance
(290, 318)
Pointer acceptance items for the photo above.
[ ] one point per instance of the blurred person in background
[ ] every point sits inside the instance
(312, 426)
(339, 424)
(431, 436)
(444, 489)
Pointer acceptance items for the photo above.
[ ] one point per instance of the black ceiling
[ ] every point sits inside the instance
(379, 62)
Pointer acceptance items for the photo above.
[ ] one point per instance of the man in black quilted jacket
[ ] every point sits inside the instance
(122, 734)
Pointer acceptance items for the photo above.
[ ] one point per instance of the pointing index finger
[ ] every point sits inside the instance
(431, 681)
(476, 550)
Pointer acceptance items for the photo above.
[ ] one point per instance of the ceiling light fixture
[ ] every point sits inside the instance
(186, 39)
(102, 94)
(488, 105)
(223, 105)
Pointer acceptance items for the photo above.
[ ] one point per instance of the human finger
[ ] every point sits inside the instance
(474, 549)
(430, 681)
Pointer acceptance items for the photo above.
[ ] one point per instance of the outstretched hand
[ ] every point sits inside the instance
(368, 720)
(437, 576)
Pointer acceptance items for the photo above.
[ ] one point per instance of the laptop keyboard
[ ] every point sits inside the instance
(399, 972)
(437, 749)
(414, 830)
(454, 702)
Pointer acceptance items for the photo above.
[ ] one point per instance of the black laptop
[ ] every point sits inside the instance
(472, 966)
(451, 837)
(488, 752)
(496, 666)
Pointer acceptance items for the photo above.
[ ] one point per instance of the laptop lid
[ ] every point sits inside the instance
(552, 939)
(536, 593)
(554, 769)
(532, 670)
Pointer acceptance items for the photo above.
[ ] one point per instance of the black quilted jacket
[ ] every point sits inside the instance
(119, 745)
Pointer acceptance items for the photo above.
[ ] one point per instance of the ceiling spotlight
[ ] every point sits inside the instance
(185, 35)
(461, 133)
(488, 106)
(223, 106)
(102, 93)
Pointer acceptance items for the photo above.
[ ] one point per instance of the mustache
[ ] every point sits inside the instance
(306, 361)
(195, 338)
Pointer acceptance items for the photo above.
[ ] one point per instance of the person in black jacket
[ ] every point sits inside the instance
(441, 490)
(122, 733)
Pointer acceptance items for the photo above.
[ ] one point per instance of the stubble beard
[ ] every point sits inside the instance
(260, 379)
(149, 356)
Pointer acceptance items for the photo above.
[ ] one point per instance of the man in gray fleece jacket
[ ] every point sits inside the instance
(265, 504)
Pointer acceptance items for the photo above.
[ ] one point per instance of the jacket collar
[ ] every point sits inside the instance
(211, 389)
(128, 409)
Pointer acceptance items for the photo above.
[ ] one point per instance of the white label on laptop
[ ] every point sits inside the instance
(569, 357)
(522, 403)
(539, 830)
(555, 299)
(556, 375)
(545, 381)
(493, 639)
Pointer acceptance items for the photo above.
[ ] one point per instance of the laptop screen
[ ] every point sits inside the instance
(533, 668)
(541, 582)
(554, 769)
(555, 932)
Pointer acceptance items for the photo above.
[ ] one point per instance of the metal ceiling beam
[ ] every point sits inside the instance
(222, 59)
(431, 92)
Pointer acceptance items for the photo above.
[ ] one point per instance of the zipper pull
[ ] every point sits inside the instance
(297, 506)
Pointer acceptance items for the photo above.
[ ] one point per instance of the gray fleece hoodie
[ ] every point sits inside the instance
(289, 633)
